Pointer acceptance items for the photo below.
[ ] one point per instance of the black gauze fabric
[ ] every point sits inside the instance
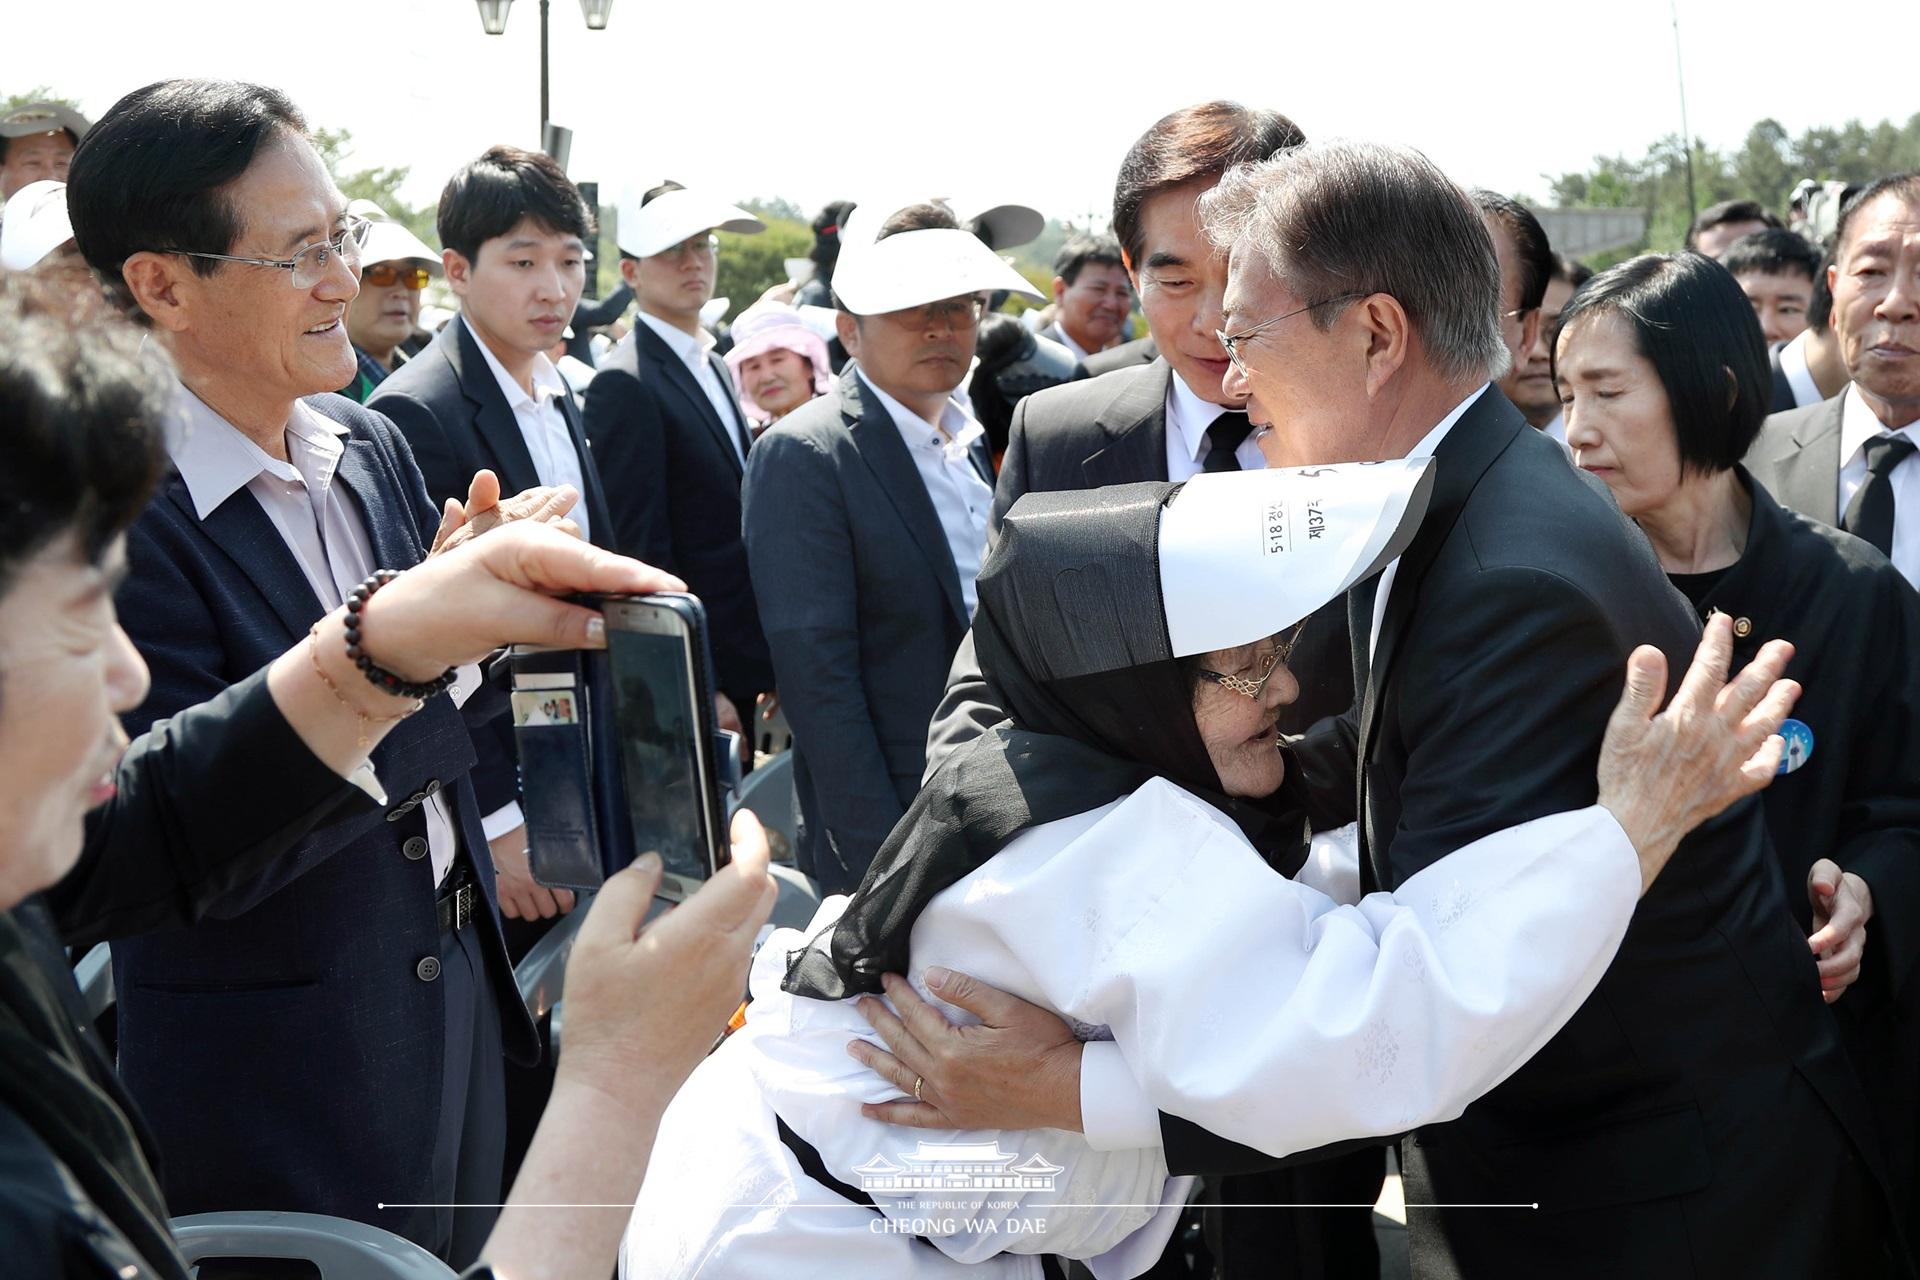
(1072, 637)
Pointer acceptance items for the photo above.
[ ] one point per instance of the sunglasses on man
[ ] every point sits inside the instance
(384, 275)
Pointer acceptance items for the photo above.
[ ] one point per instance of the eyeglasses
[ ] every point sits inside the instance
(1232, 341)
(705, 246)
(384, 275)
(308, 266)
(1254, 686)
(953, 313)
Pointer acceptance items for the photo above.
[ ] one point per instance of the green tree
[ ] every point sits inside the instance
(1764, 164)
(380, 185)
(750, 265)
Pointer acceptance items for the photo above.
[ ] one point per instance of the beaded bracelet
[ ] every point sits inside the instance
(381, 678)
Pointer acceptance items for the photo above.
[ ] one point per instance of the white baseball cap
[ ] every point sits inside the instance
(42, 117)
(1277, 544)
(666, 220)
(35, 224)
(390, 241)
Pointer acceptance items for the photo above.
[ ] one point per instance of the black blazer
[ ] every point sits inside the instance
(1856, 799)
(1700, 1091)
(449, 406)
(1797, 457)
(673, 480)
(863, 607)
(293, 1006)
(1783, 398)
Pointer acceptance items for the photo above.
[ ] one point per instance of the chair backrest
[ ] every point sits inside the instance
(772, 734)
(768, 791)
(340, 1248)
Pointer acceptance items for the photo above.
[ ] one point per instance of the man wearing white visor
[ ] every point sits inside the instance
(668, 435)
(866, 520)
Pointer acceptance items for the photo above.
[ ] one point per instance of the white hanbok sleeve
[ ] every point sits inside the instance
(1257, 1008)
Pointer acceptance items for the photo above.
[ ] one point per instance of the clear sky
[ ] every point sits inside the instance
(1033, 101)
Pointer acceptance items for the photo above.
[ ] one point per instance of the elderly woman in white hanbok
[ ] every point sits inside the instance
(1102, 854)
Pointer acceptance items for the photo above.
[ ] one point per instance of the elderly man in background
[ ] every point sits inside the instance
(36, 144)
(1850, 460)
(777, 362)
(383, 322)
(865, 524)
(354, 1003)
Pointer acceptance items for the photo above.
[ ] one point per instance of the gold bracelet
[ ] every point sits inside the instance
(365, 742)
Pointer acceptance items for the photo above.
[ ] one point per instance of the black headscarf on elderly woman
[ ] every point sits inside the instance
(1072, 633)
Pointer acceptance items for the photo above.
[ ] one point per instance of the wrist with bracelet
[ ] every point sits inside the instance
(381, 678)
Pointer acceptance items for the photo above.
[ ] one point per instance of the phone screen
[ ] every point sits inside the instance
(659, 744)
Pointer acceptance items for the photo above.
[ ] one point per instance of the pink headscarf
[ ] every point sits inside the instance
(767, 326)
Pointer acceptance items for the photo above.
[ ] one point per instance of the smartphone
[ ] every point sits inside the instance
(664, 733)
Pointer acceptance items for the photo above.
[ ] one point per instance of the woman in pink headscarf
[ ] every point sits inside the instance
(778, 363)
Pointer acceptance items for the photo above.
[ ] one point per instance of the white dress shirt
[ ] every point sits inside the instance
(325, 533)
(1857, 426)
(961, 496)
(1058, 333)
(693, 352)
(1793, 364)
(1197, 977)
(1188, 417)
(543, 425)
(1557, 430)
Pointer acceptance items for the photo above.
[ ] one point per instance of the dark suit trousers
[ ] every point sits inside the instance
(470, 1147)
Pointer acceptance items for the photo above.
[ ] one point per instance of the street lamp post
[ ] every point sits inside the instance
(493, 20)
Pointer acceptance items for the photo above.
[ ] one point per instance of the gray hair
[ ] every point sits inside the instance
(1331, 218)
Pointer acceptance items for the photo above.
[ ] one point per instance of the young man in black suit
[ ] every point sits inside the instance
(669, 435)
(485, 395)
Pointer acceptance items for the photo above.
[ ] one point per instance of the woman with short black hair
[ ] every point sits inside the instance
(1663, 372)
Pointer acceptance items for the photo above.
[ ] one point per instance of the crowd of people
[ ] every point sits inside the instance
(1225, 753)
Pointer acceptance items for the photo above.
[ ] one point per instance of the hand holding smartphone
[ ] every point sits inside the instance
(619, 753)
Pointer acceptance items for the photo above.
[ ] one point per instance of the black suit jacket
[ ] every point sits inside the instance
(863, 606)
(1797, 457)
(673, 482)
(450, 408)
(1783, 398)
(1700, 1091)
(293, 1008)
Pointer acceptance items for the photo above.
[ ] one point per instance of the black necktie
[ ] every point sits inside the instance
(1870, 514)
(1223, 437)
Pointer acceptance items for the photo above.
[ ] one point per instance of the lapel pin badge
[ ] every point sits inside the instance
(1799, 745)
